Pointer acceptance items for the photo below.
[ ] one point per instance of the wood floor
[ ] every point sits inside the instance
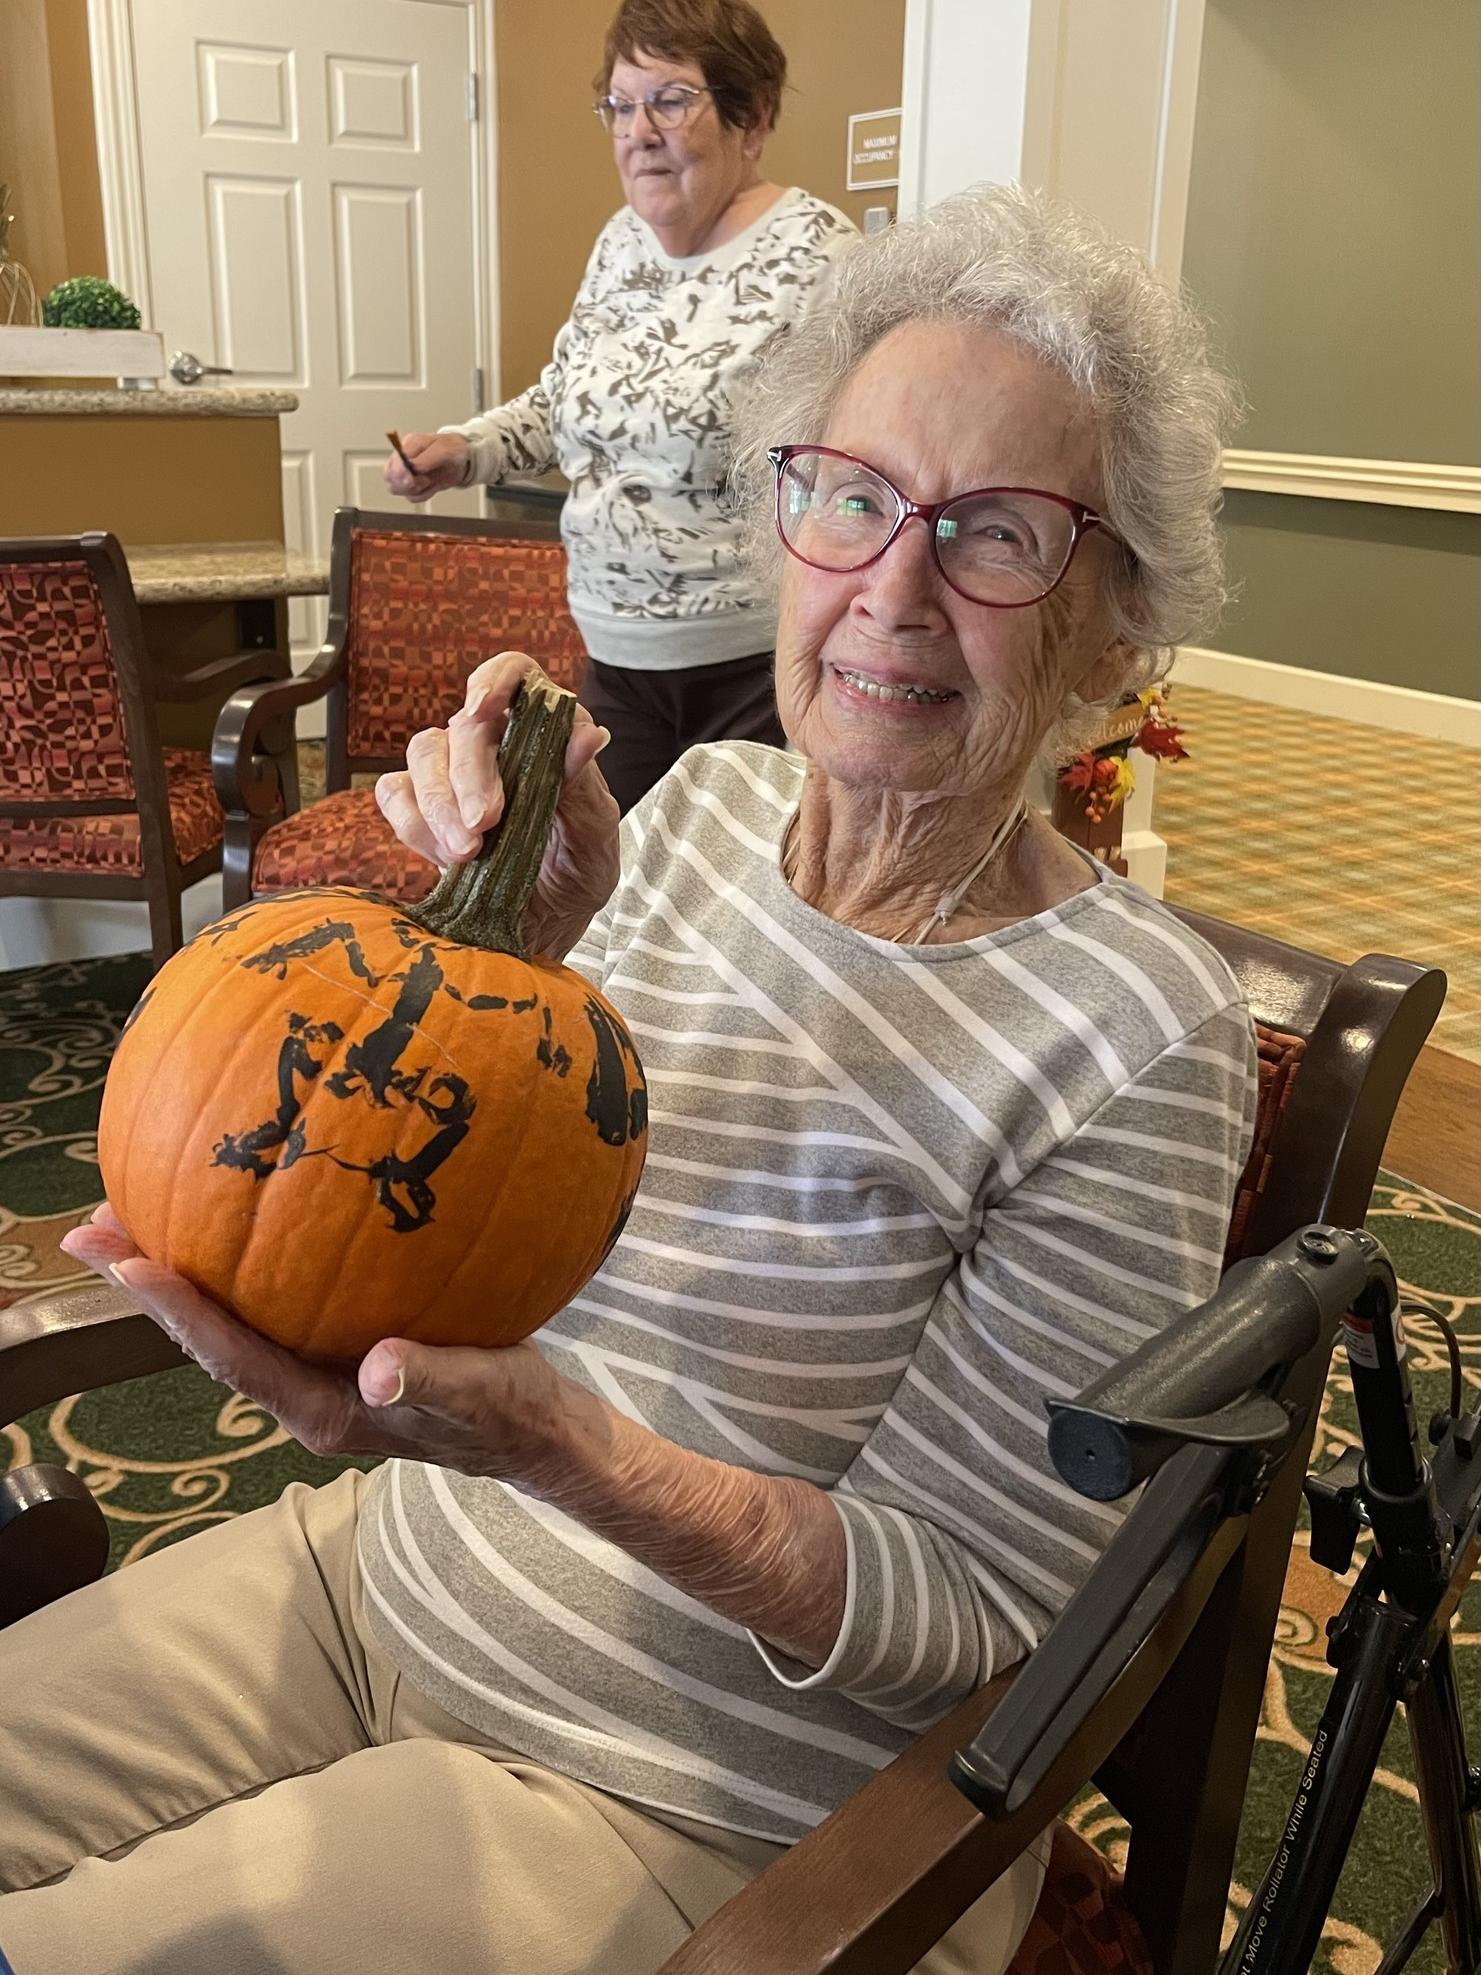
(1436, 1134)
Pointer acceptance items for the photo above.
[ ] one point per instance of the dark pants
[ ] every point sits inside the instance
(654, 716)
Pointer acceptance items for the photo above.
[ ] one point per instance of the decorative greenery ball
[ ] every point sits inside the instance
(87, 301)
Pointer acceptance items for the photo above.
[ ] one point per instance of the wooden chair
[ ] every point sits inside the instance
(1172, 1727)
(415, 602)
(91, 805)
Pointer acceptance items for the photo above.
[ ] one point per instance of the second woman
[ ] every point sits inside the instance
(688, 286)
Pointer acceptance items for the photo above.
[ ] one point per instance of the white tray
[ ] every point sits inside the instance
(28, 352)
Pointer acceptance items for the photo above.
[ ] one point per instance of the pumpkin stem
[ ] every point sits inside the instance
(483, 902)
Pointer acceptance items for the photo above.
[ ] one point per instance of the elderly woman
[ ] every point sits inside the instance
(704, 270)
(945, 1118)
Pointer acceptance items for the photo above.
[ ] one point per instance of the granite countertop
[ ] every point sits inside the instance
(164, 401)
(223, 572)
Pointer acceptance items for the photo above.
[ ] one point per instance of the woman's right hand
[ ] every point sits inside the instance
(439, 460)
(450, 793)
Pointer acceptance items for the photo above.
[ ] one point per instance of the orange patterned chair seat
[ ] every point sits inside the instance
(111, 844)
(341, 840)
(1081, 1925)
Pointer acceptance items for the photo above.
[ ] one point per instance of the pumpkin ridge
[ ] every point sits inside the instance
(411, 1118)
(259, 1229)
(511, 1167)
(265, 1228)
(136, 1185)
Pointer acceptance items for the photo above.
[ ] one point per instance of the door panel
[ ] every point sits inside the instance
(254, 245)
(372, 103)
(246, 92)
(378, 242)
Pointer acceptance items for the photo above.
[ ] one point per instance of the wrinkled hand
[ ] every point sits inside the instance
(503, 1412)
(450, 793)
(440, 460)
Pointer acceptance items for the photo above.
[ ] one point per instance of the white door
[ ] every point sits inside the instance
(309, 176)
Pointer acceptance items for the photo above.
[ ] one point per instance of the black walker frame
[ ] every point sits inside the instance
(1214, 1378)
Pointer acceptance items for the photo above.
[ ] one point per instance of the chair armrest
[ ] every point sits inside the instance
(256, 724)
(881, 1880)
(76, 1340)
(861, 1894)
(219, 676)
(829, 1905)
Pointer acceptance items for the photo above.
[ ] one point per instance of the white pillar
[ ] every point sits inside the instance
(1091, 100)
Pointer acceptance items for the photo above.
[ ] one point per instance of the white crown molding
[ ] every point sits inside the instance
(1398, 709)
(1389, 482)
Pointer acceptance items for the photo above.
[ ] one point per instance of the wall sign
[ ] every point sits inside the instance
(873, 150)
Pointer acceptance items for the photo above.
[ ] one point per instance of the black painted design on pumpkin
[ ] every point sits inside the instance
(372, 1069)
(137, 1010)
(552, 1056)
(610, 1104)
(371, 1063)
(220, 929)
(277, 958)
(478, 1002)
(402, 1186)
(279, 1141)
(618, 1225)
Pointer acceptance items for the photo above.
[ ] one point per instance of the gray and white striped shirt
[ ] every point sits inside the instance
(894, 1199)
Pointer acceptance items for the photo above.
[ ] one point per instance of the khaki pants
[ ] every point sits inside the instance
(208, 1768)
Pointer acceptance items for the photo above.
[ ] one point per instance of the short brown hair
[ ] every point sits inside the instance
(739, 57)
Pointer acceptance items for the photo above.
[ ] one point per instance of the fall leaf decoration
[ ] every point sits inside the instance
(1104, 777)
(1159, 734)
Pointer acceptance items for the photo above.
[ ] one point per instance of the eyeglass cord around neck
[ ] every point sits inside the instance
(950, 900)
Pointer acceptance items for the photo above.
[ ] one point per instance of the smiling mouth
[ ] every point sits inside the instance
(899, 694)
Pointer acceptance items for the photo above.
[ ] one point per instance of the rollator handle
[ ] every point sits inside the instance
(1209, 1377)
(1206, 1390)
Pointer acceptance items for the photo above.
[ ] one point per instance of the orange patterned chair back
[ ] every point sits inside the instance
(62, 731)
(1279, 1060)
(425, 608)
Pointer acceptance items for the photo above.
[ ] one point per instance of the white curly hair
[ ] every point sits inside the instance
(1048, 277)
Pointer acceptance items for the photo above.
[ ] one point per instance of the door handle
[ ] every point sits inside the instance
(188, 369)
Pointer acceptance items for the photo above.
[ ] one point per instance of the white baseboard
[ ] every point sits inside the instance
(1400, 709)
(38, 932)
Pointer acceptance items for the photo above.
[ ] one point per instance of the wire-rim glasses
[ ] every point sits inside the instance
(1006, 547)
(667, 106)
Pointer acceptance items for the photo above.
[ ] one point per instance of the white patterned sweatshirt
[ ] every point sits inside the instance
(895, 1198)
(635, 408)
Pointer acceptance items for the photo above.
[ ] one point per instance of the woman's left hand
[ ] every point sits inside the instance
(504, 1412)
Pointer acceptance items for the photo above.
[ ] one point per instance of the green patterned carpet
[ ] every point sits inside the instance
(168, 1455)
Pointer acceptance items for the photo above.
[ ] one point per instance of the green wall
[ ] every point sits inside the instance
(1385, 593)
(1334, 235)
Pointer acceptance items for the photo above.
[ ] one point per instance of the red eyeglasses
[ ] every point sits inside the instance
(1001, 546)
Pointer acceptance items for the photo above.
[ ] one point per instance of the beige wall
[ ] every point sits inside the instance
(557, 184)
(1333, 235)
(47, 153)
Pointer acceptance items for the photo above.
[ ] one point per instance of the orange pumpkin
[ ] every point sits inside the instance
(348, 1119)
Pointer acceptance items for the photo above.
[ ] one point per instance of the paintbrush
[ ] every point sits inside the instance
(395, 439)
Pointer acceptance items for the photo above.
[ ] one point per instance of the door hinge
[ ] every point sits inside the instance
(477, 388)
(472, 99)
